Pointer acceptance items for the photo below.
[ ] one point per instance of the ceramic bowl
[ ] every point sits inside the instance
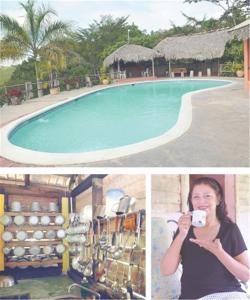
(35, 207)
(48, 250)
(45, 220)
(50, 234)
(53, 207)
(38, 235)
(33, 220)
(19, 220)
(21, 235)
(59, 220)
(5, 220)
(19, 251)
(6, 250)
(61, 233)
(60, 248)
(34, 250)
(7, 236)
(16, 206)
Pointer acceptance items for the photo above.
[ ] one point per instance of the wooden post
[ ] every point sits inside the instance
(153, 67)
(65, 213)
(247, 64)
(97, 194)
(1, 232)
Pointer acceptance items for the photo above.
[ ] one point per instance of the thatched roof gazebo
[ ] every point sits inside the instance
(130, 53)
(200, 46)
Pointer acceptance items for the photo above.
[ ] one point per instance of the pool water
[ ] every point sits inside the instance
(108, 118)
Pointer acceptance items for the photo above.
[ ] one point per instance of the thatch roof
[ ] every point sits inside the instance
(201, 46)
(130, 53)
(241, 31)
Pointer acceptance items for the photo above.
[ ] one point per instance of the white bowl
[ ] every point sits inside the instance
(6, 250)
(53, 207)
(35, 207)
(50, 234)
(47, 249)
(19, 220)
(34, 250)
(38, 235)
(45, 220)
(61, 233)
(7, 236)
(5, 220)
(16, 206)
(60, 248)
(33, 220)
(59, 220)
(19, 251)
(21, 235)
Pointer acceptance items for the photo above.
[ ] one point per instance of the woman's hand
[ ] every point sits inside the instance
(184, 224)
(214, 247)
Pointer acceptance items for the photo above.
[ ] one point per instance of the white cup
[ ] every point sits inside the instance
(199, 218)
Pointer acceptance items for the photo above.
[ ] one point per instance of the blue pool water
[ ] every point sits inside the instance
(108, 118)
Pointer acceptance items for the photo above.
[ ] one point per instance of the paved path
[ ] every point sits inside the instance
(218, 136)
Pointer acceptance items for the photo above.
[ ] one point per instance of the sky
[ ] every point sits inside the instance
(146, 14)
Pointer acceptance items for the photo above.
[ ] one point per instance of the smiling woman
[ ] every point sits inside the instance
(213, 256)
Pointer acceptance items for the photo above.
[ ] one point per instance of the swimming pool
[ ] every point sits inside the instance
(108, 119)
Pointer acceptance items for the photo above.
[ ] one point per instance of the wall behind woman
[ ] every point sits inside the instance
(243, 206)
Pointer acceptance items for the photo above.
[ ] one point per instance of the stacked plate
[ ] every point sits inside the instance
(34, 250)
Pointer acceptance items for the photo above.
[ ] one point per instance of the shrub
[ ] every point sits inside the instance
(14, 93)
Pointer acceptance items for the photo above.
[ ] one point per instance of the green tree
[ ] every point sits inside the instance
(235, 11)
(36, 38)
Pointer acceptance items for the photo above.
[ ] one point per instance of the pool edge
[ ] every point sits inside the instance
(25, 156)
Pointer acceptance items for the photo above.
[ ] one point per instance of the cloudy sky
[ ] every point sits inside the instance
(147, 14)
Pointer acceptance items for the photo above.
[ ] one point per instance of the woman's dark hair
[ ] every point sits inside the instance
(221, 209)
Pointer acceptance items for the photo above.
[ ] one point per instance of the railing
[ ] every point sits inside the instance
(30, 90)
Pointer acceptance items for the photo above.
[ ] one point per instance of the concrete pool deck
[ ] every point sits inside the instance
(218, 136)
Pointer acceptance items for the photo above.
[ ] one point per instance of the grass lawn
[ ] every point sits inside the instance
(6, 73)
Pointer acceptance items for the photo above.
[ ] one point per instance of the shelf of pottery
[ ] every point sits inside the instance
(32, 235)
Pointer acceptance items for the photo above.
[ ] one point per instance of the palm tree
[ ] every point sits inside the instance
(36, 38)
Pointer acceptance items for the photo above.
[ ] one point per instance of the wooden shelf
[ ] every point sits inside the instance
(15, 228)
(32, 243)
(13, 264)
(28, 214)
